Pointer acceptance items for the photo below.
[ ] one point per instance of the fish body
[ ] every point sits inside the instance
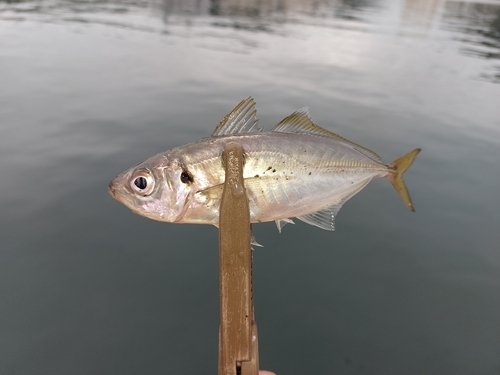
(297, 169)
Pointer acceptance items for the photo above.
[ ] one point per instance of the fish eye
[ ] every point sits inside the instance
(142, 182)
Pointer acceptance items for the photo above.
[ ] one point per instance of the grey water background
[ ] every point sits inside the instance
(90, 88)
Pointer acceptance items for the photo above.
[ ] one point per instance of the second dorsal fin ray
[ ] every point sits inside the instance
(301, 122)
(242, 119)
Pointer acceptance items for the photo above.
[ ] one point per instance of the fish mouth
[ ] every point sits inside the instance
(119, 192)
(111, 189)
(117, 188)
(114, 188)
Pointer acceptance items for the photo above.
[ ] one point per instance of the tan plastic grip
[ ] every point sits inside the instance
(238, 342)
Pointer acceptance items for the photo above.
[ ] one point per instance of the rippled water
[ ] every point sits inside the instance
(90, 88)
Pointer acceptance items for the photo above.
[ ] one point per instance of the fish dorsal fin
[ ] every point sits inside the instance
(301, 122)
(282, 222)
(242, 119)
(325, 218)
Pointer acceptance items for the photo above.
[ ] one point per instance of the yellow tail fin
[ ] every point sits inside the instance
(396, 170)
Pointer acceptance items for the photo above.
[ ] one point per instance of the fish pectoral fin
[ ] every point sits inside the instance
(242, 119)
(215, 192)
(282, 222)
(324, 219)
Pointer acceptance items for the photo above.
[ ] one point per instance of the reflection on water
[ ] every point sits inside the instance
(420, 13)
(89, 88)
(279, 10)
(476, 26)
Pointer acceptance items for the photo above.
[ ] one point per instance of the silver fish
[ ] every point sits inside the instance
(298, 169)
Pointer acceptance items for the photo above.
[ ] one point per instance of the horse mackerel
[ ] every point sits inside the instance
(297, 169)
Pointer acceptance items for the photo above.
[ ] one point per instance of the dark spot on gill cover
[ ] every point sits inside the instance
(186, 177)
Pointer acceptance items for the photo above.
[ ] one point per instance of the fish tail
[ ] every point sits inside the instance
(395, 176)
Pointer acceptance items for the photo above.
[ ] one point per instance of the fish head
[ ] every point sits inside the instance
(158, 188)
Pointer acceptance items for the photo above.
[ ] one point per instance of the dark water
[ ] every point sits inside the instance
(89, 88)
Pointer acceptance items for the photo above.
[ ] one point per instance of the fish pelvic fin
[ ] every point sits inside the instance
(395, 176)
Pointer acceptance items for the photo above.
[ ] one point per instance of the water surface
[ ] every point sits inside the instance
(90, 88)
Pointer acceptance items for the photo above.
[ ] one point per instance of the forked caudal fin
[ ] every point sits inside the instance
(395, 176)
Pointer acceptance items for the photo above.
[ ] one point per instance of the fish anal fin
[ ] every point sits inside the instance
(242, 119)
(395, 176)
(300, 122)
(324, 219)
